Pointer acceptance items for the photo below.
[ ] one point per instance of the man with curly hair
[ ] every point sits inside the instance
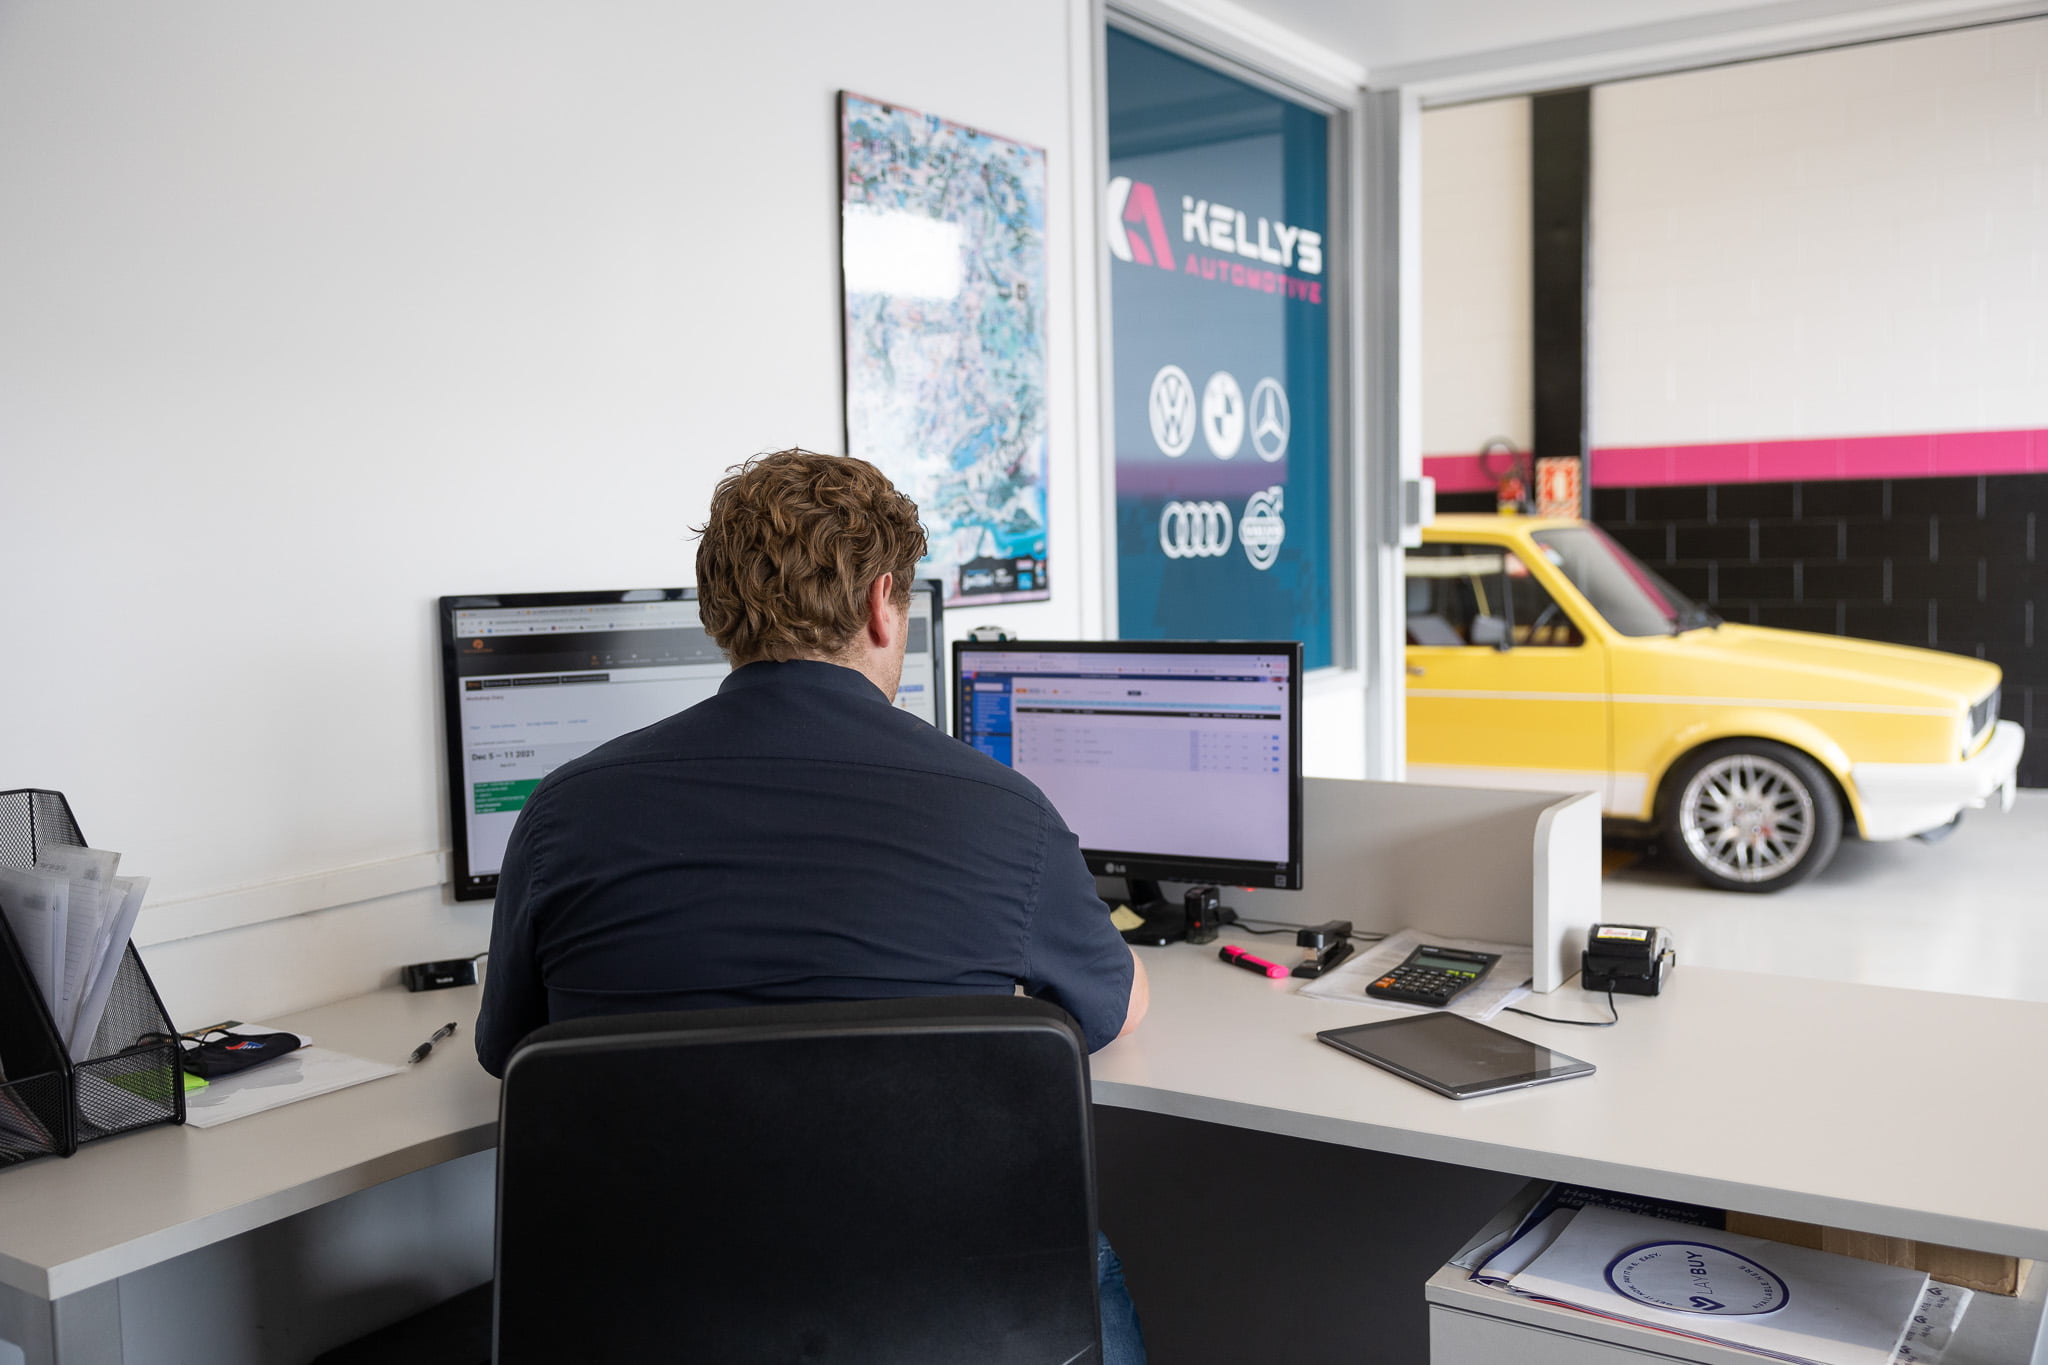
(797, 837)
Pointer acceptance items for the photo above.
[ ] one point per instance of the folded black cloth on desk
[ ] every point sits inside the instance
(231, 1052)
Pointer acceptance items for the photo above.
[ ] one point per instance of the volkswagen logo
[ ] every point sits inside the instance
(1262, 530)
(1172, 409)
(1271, 420)
(1194, 530)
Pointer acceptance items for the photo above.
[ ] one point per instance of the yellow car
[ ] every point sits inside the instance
(1542, 655)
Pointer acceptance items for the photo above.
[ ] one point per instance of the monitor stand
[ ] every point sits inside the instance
(1164, 923)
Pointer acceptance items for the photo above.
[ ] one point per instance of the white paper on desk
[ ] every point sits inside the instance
(120, 927)
(1506, 983)
(1830, 1309)
(295, 1076)
(37, 904)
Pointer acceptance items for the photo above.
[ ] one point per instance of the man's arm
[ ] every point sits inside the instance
(515, 1000)
(1074, 956)
(1141, 996)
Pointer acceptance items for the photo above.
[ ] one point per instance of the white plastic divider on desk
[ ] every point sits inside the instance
(1463, 862)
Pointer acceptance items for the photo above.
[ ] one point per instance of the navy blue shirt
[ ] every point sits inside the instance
(794, 838)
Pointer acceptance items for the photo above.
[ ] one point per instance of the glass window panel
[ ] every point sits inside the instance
(1218, 229)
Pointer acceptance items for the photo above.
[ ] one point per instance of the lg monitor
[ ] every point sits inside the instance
(1170, 760)
(533, 680)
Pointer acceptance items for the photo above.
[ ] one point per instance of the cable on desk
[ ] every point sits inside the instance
(1582, 1023)
(1230, 916)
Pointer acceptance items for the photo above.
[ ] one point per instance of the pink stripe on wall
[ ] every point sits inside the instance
(1920, 455)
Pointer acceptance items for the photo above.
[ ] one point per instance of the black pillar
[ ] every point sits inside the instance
(1560, 210)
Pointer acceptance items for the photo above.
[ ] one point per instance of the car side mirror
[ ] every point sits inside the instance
(1490, 630)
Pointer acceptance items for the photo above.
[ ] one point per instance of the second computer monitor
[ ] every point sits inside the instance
(1170, 760)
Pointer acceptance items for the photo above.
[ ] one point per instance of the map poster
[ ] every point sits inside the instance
(942, 249)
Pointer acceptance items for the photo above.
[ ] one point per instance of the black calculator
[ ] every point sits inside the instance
(1433, 976)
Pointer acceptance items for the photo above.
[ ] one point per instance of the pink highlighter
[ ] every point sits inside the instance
(1238, 957)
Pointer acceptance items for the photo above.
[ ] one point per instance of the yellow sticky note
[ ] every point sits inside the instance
(1124, 918)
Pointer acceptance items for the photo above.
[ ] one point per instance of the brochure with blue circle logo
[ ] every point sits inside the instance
(1792, 1303)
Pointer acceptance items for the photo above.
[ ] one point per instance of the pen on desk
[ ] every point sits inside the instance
(424, 1048)
(1238, 957)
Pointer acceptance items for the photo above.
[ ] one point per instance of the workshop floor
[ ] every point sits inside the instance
(1967, 915)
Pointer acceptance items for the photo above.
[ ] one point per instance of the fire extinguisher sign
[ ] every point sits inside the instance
(1558, 486)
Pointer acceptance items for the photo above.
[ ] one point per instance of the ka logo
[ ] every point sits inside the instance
(1172, 409)
(1223, 414)
(1131, 202)
(1260, 530)
(1271, 420)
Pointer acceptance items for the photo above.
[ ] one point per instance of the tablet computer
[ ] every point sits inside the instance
(1453, 1056)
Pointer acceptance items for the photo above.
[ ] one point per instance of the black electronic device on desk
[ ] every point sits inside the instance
(1433, 976)
(1631, 959)
(1170, 760)
(1454, 1056)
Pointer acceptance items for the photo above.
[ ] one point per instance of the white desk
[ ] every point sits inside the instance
(1766, 1094)
(69, 1229)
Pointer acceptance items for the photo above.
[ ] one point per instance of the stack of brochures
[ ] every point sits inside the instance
(1691, 1279)
(72, 918)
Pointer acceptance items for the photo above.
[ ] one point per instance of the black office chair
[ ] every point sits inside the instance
(894, 1182)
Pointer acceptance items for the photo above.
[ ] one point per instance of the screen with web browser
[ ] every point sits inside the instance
(1175, 760)
(533, 680)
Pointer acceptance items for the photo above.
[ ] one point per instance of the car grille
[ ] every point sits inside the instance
(1982, 715)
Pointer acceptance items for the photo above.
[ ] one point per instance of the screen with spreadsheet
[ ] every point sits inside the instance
(1168, 759)
(533, 680)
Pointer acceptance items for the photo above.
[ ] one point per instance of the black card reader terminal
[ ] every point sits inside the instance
(1433, 976)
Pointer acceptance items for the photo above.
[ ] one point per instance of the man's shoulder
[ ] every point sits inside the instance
(740, 727)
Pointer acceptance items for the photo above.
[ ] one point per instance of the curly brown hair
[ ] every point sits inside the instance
(793, 543)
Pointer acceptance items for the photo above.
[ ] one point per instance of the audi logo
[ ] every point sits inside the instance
(1194, 530)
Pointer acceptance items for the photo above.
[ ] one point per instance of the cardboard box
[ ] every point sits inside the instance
(1978, 1270)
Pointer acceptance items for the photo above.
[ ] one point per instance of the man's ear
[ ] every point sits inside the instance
(882, 622)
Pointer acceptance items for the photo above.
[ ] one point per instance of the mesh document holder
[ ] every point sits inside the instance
(130, 1078)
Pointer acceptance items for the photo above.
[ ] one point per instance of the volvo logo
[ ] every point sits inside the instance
(1172, 409)
(1271, 420)
(1194, 530)
(1262, 530)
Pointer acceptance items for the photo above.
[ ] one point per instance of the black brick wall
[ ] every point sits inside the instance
(1959, 564)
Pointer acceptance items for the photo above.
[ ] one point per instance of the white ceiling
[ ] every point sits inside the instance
(1381, 33)
(1438, 46)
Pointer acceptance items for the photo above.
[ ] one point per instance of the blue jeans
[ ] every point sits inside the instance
(1122, 1342)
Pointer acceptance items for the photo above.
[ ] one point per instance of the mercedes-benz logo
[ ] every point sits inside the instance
(1271, 420)
(1172, 408)
(1194, 530)
(1223, 414)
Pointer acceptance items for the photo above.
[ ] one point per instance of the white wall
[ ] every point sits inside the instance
(1839, 243)
(311, 313)
(1476, 381)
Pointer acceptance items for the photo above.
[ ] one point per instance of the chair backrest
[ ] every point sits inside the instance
(880, 1181)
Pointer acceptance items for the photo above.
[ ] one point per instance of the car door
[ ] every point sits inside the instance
(1505, 687)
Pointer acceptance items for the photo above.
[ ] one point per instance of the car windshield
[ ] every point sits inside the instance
(1621, 588)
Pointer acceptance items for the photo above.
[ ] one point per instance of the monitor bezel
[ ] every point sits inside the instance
(1174, 868)
(466, 885)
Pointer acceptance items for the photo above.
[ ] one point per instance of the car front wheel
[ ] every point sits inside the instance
(1751, 815)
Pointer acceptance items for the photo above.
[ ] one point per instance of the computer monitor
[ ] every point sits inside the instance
(1169, 759)
(533, 680)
